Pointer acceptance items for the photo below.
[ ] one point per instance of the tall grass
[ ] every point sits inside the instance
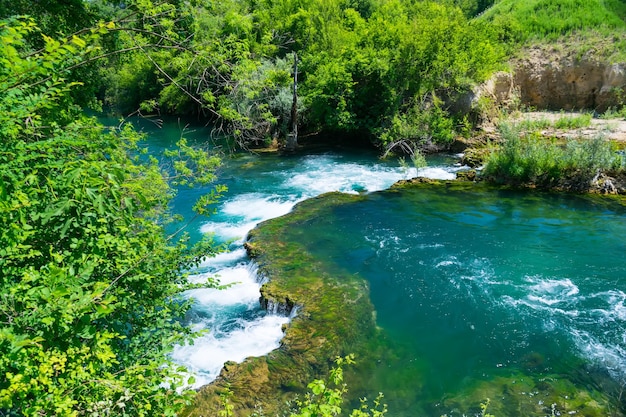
(551, 19)
(532, 159)
(563, 122)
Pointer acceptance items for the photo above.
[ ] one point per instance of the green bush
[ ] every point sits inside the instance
(563, 122)
(533, 159)
(89, 282)
(423, 125)
(573, 122)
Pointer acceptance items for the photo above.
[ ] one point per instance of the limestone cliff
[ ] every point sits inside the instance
(548, 78)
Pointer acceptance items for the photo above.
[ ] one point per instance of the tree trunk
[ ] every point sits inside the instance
(292, 137)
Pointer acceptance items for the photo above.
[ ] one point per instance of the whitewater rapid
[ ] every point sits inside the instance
(233, 324)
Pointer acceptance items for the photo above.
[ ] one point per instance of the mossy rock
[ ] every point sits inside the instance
(476, 157)
(529, 395)
(334, 317)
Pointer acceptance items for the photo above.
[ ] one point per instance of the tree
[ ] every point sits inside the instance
(362, 64)
(88, 278)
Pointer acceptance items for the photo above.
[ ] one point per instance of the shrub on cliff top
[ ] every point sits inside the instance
(538, 19)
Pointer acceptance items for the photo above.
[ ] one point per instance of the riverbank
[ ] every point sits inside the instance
(540, 138)
(335, 316)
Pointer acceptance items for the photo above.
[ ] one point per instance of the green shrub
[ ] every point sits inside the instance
(422, 125)
(545, 162)
(573, 122)
(563, 122)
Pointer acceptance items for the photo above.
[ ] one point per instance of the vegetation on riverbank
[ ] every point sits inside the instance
(375, 69)
(531, 159)
(89, 281)
(87, 272)
(543, 21)
(334, 317)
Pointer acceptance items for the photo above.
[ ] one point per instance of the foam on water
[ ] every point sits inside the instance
(593, 321)
(243, 289)
(238, 327)
(206, 357)
(551, 291)
(326, 173)
(243, 212)
(609, 356)
(256, 206)
(437, 173)
(225, 258)
(229, 231)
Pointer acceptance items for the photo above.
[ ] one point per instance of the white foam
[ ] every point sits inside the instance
(594, 322)
(614, 309)
(244, 212)
(316, 184)
(322, 174)
(610, 356)
(238, 294)
(236, 217)
(208, 354)
(229, 231)
(446, 263)
(225, 258)
(436, 173)
(551, 291)
(255, 206)
(243, 286)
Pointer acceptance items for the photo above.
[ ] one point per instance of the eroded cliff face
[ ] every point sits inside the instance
(548, 79)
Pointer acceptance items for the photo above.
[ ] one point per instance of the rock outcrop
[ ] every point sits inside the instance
(335, 316)
(548, 79)
(568, 83)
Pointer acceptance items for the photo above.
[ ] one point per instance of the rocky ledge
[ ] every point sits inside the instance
(334, 317)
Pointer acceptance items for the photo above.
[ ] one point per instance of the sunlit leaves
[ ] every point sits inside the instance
(88, 279)
(325, 398)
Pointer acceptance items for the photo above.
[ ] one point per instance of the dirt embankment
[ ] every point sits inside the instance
(557, 77)
(571, 95)
(559, 81)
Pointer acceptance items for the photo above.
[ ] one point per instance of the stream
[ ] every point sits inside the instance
(471, 286)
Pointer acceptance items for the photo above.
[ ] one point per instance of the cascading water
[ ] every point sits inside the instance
(261, 188)
(483, 294)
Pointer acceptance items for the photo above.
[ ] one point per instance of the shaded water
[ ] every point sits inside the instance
(473, 285)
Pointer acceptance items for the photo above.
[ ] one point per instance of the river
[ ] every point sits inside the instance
(472, 286)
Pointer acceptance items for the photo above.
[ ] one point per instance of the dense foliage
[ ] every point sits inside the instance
(88, 278)
(364, 67)
(538, 20)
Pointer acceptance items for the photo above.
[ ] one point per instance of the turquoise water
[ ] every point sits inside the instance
(469, 286)
(260, 187)
(474, 285)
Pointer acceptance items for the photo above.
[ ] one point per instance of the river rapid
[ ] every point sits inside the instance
(470, 285)
(260, 187)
